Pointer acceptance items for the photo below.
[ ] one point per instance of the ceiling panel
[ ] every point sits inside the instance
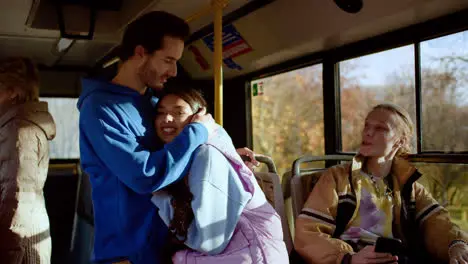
(37, 49)
(186, 9)
(287, 29)
(85, 53)
(18, 38)
(280, 31)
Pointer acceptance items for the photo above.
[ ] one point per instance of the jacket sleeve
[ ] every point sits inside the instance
(141, 170)
(30, 143)
(434, 220)
(316, 224)
(219, 199)
(31, 147)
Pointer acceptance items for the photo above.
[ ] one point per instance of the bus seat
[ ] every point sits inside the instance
(85, 203)
(83, 241)
(303, 180)
(271, 186)
(60, 193)
(301, 187)
(286, 186)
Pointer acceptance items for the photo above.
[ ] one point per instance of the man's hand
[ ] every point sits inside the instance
(205, 119)
(249, 153)
(368, 255)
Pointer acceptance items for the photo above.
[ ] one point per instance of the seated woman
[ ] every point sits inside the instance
(218, 213)
(377, 196)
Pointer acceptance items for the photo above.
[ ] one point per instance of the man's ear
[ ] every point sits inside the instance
(139, 52)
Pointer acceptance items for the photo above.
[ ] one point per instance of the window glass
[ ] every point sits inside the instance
(366, 81)
(66, 116)
(448, 184)
(444, 79)
(287, 116)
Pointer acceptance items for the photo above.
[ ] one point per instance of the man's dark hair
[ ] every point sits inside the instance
(149, 31)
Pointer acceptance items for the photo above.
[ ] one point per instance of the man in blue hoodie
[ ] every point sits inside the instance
(118, 143)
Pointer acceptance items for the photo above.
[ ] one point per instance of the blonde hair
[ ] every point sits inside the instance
(404, 126)
(20, 76)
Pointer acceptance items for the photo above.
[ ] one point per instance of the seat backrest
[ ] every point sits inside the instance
(85, 208)
(286, 186)
(270, 184)
(60, 194)
(302, 180)
(83, 241)
(301, 187)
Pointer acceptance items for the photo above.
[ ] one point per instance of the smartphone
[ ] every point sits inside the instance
(246, 158)
(389, 245)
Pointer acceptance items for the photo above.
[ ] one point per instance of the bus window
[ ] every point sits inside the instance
(366, 81)
(66, 116)
(287, 115)
(444, 79)
(448, 184)
(390, 76)
(444, 120)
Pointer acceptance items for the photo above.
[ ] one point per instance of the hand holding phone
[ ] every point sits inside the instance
(389, 245)
(369, 255)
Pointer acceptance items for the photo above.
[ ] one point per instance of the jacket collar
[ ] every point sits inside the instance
(401, 168)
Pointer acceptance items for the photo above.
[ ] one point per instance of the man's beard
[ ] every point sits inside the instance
(150, 78)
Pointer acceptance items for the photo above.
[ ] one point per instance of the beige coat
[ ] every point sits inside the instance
(24, 160)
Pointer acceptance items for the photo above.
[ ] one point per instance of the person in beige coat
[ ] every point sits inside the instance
(25, 128)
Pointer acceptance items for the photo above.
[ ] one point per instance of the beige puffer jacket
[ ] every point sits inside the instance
(24, 159)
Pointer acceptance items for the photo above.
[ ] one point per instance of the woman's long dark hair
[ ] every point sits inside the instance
(180, 192)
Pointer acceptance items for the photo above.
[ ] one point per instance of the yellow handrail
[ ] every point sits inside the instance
(218, 6)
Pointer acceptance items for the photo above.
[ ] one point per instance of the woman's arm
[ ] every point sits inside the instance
(439, 231)
(28, 148)
(218, 201)
(316, 224)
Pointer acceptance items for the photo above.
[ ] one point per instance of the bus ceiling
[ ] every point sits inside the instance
(265, 32)
(64, 32)
(290, 29)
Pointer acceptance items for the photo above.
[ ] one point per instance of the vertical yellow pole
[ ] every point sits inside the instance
(218, 6)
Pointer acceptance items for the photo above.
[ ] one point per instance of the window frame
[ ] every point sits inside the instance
(330, 59)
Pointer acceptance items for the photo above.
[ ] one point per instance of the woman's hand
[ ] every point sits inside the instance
(205, 119)
(368, 256)
(459, 254)
(247, 152)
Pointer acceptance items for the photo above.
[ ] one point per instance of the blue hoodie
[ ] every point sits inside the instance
(119, 152)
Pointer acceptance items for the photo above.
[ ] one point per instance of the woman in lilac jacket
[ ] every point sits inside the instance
(217, 213)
